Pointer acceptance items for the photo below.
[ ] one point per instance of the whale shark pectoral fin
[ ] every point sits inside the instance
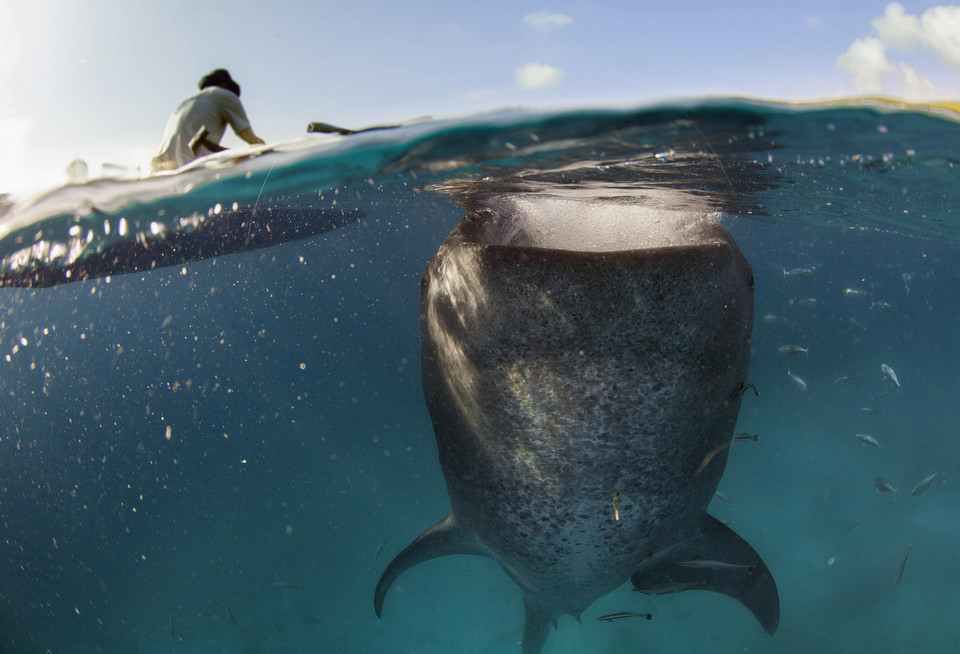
(720, 561)
(536, 627)
(445, 537)
(752, 585)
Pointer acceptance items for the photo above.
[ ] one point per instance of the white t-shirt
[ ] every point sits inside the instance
(214, 108)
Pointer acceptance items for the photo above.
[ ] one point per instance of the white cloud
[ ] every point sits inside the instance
(941, 29)
(546, 21)
(915, 86)
(898, 29)
(866, 61)
(936, 30)
(538, 76)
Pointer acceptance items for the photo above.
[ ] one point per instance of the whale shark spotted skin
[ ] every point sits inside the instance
(583, 364)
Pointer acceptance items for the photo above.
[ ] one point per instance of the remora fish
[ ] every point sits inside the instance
(716, 565)
(612, 617)
(575, 348)
(668, 587)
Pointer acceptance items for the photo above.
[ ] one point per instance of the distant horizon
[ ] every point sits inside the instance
(69, 88)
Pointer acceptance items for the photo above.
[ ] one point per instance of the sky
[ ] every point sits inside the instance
(97, 79)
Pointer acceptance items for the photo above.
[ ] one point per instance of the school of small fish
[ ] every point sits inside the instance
(889, 384)
(861, 299)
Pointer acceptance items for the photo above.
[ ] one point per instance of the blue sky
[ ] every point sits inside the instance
(97, 79)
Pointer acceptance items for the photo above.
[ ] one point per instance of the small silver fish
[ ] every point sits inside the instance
(881, 305)
(624, 616)
(854, 525)
(890, 374)
(722, 497)
(793, 349)
(797, 272)
(284, 585)
(869, 409)
(853, 380)
(802, 385)
(867, 439)
(855, 292)
(808, 302)
(896, 582)
(883, 485)
(924, 484)
(745, 437)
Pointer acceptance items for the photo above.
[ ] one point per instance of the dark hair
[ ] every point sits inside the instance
(220, 77)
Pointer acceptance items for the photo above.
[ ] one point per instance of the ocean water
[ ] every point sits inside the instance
(214, 437)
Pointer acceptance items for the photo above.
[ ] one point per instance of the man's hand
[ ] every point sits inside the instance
(251, 138)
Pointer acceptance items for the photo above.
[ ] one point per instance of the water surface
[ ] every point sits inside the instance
(222, 453)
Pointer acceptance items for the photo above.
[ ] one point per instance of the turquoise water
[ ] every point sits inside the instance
(223, 454)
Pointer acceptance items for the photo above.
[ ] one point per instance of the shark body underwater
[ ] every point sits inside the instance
(583, 363)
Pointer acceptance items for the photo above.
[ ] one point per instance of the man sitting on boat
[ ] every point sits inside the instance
(198, 124)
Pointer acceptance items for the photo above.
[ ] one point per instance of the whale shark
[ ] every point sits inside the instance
(583, 362)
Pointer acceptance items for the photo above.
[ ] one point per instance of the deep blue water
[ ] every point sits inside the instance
(245, 435)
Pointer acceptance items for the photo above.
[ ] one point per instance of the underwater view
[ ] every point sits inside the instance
(232, 395)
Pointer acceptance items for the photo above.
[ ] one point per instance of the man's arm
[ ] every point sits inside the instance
(251, 138)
